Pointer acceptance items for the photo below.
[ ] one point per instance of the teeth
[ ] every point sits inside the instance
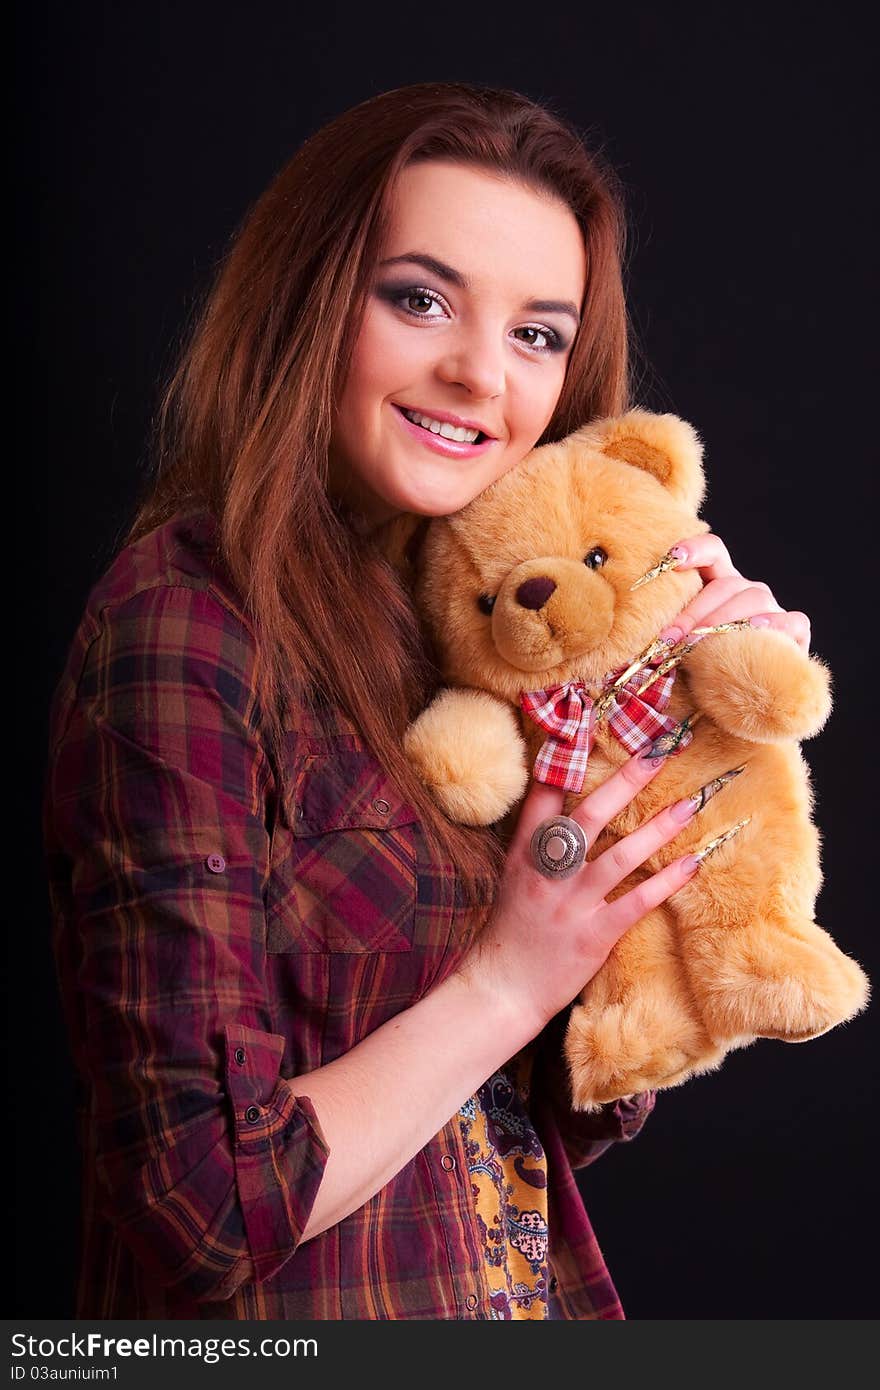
(456, 432)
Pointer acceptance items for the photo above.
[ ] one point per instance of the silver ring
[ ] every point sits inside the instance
(558, 847)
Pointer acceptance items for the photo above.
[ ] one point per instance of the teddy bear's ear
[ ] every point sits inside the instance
(663, 445)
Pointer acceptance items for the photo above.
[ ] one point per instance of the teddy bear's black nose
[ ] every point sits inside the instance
(534, 593)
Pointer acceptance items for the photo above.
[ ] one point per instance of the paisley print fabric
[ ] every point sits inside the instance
(508, 1173)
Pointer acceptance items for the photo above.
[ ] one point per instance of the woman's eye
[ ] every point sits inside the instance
(418, 302)
(552, 341)
(421, 298)
(595, 558)
(485, 603)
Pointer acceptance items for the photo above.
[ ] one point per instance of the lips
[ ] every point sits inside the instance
(450, 448)
(445, 417)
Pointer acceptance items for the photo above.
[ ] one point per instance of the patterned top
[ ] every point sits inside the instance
(212, 937)
(508, 1173)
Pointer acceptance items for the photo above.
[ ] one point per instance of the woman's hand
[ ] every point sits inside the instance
(727, 595)
(547, 938)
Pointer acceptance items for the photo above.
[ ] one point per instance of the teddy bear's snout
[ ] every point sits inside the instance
(534, 593)
(550, 609)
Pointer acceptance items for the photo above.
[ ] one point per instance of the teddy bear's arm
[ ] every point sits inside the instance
(759, 685)
(467, 748)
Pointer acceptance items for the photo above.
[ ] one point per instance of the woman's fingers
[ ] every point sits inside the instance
(595, 811)
(732, 600)
(795, 624)
(618, 862)
(614, 794)
(706, 553)
(727, 596)
(617, 917)
(540, 802)
(725, 600)
(758, 605)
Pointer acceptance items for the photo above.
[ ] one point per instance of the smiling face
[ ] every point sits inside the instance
(471, 318)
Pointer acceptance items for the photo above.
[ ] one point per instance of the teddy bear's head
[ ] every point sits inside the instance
(531, 583)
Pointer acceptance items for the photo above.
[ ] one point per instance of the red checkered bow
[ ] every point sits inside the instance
(567, 714)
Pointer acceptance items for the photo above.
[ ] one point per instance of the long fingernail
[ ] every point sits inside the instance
(705, 793)
(671, 636)
(669, 741)
(709, 849)
(761, 621)
(673, 557)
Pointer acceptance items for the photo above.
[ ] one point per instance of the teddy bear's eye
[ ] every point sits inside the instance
(485, 603)
(595, 558)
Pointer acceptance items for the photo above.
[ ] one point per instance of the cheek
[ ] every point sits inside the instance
(535, 400)
(380, 364)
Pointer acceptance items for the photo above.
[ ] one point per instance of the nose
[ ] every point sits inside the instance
(476, 362)
(534, 593)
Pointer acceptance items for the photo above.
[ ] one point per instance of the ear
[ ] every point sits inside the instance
(663, 445)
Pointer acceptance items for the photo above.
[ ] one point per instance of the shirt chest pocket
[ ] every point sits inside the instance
(345, 874)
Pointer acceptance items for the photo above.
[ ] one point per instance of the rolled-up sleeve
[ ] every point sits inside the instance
(158, 831)
(585, 1135)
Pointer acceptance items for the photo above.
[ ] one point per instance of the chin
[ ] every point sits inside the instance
(437, 506)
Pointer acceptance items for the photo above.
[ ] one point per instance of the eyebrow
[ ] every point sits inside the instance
(455, 277)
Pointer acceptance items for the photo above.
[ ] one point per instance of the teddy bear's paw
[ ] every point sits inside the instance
(635, 1046)
(782, 980)
(467, 748)
(759, 685)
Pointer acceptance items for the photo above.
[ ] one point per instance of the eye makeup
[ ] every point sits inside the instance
(397, 294)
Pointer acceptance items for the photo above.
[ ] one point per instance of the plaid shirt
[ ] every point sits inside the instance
(206, 949)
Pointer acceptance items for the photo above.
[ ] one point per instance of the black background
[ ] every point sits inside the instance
(145, 132)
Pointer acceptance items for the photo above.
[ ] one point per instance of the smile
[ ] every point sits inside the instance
(464, 436)
(453, 441)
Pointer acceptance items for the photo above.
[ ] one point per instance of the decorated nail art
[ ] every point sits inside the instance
(705, 793)
(679, 652)
(607, 698)
(701, 855)
(666, 562)
(668, 742)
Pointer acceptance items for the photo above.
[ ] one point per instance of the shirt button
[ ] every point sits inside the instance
(252, 1114)
(471, 1301)
(216, 863)
(447, 1162)
(380, 806)
(240, 1055)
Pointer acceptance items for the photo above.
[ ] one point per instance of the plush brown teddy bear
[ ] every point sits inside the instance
(529, 595)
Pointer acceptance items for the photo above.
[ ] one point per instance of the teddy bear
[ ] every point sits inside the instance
(546, 594)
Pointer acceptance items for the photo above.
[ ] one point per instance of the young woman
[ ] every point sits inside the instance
(317, 1027)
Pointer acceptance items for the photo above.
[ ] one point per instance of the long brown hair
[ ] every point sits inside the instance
(244, 427)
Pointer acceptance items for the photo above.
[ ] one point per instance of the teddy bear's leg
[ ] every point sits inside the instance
(759, 965)
(636, 1026)
(776, 976)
